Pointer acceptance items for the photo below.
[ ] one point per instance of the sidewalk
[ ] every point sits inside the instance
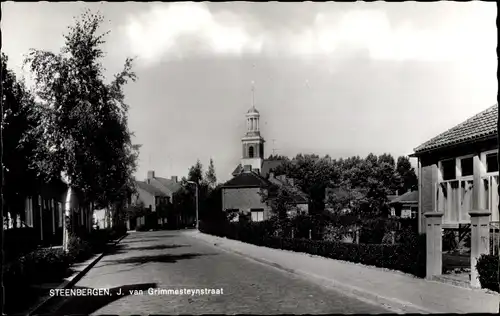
(398, 292)
(79, 269)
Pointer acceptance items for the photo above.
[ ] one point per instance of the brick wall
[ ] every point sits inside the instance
(243, 199)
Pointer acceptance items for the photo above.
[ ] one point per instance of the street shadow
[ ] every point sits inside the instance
(86, 305)
(122, 249)
(156, 247)
(134, 240)
(163, 258)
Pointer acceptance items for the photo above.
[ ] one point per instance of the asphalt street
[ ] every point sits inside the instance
(145, 263)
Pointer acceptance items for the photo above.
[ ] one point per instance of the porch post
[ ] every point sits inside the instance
(434, 242)
(480, 241)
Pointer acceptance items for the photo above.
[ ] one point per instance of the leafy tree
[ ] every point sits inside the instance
(277, 157)
(312, 175)
(281, 201)
(195, 173)
(409, 180)
(83, 130)
(210, 176)
(17, 121)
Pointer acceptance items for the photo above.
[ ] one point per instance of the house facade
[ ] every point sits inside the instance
(405, 205)
(242, 194)
(45, 208)
(458, 171)
(151, 198)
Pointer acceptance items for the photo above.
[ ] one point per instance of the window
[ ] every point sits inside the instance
(492, 162)
(250, 152)
(414, 211)
(448, 169)
(467, 166)
(257, 215)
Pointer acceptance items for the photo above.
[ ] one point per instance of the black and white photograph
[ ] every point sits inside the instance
(265, 158)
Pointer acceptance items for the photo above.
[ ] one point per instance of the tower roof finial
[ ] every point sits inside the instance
(253, 94)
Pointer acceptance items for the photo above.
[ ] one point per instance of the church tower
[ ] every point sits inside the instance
(252, 142)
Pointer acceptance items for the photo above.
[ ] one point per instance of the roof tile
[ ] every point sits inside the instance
(479, 126)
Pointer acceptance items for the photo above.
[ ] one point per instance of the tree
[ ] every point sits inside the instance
(281, 201)
(17, 121)
(210, 176)
(195, 173)
(312, 175)
(83, 130)
(409, 180)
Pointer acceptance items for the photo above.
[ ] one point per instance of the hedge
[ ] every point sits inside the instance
(20, 241)
(408, 257)
(487, 268)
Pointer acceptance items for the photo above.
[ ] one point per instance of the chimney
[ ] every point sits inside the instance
(174, 178)
(247, 168)
(271, 175)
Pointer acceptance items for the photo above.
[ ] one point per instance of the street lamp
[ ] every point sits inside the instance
(196, 185)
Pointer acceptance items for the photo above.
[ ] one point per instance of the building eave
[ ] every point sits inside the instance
(432, 150)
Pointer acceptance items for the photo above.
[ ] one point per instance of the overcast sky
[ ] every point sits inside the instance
(330, 78)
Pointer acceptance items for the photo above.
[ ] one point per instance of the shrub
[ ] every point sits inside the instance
(43, 265)
(409, 256)
(79, 249)
(118, 231)
(19, 241)
(487, 268)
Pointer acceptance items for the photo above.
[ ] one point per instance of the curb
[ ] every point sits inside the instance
(74, 279)
(391, 304)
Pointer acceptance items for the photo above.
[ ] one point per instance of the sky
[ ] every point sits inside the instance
(330, 78)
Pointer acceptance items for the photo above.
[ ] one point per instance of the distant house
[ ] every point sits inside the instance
(458, 171)
(149, 196)
(154, 192)
(300, 198)
(405, 205)
(241, 193)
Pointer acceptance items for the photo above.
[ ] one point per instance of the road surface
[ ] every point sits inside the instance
(147, 262)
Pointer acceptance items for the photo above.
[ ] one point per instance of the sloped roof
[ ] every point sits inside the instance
(149, 188)
(392, 197)
(268, 165)
(170, 184)
(480, 126)
(238, 170)
(407, 198)
(246, 180)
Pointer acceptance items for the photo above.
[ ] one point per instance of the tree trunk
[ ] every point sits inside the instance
(67, 216)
